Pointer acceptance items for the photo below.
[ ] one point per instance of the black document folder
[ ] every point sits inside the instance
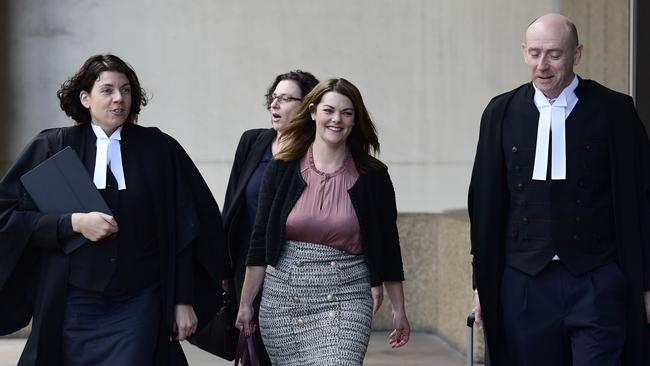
(61, 185)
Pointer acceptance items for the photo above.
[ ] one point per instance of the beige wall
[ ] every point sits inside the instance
(426, 70)
(603, 30)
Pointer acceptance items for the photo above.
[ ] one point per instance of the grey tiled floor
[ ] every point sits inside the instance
(422, 349)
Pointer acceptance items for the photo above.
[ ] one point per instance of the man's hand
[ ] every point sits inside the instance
(377, 298)
(476, 308)
(94, 226)
(186, 321)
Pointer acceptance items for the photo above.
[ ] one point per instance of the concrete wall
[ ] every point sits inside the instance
(603, 28)
(426, 70)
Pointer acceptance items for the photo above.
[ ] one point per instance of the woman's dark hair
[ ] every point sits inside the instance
(84, 80)
(306, 81)
(301, 130)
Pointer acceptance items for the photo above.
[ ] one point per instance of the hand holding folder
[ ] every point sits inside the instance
(61, 185)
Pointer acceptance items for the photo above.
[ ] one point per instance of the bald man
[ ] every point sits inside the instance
(560, 215)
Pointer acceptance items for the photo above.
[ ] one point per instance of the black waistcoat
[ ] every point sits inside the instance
(572, 218)
(129, 259)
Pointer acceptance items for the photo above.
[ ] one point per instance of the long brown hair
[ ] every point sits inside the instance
(301, 130)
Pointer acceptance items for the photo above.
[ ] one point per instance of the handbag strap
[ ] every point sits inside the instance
(245, 349)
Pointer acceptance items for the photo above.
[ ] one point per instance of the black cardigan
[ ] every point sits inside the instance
(249, 152)
(373, 199)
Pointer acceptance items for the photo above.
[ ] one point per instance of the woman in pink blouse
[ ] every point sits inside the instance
(325, 234)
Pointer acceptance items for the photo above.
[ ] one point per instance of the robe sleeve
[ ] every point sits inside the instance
(199, 243)
(21, 224)
(644, 214)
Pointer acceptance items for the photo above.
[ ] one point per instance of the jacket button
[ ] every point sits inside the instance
(520, 187)
(588, 147)
(576, 237)
(333, 263)
(514, 149)
(295, 299)
(300, 322)
(330, 297)
(581, 184)
(332, 315)
(579, 203)
(517, 168)
(578, 219)
(525, 220)
(113, 260)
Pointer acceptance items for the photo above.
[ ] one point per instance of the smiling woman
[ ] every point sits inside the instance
(138, 274)
(325, 239)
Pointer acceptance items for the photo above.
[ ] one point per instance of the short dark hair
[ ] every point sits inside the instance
(306, 81)
(85, 78)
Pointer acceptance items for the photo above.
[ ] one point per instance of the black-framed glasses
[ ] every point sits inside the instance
(282, 98)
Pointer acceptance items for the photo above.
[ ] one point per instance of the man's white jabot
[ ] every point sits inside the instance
(551, 126)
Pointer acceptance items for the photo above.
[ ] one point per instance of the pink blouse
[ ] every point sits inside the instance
(324, 213)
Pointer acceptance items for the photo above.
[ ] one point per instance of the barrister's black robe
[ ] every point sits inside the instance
(630, 177)
(33, 280)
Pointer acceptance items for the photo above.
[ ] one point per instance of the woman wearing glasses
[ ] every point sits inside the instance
(325, 233)
(256, 148)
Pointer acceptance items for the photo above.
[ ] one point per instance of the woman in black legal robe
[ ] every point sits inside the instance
(146, 279)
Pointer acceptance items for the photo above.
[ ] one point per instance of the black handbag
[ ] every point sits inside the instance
(219, 336)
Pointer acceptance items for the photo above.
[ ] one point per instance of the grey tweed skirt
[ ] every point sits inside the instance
(316, 307)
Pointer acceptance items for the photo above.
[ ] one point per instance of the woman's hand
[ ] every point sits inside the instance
(186, 321)
(94, 226)
(377, 298)
(244, 320)
(400, 335)
(402, 332)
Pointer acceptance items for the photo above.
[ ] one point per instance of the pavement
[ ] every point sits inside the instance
(422, 349)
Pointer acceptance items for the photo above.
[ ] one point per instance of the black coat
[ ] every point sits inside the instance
(489, 199)
(33, 279)
(373, 199)
(250, 150)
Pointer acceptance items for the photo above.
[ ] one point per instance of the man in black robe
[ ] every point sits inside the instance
(560, 215)
(34, 276)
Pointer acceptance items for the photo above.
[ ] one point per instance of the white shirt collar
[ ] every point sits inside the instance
(568, 95)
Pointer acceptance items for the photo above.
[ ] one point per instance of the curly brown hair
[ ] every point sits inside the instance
(84, 79)
(306, 82)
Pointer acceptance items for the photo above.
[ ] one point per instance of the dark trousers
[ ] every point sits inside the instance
(257, 336)
(556, 318)
(110, 329)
